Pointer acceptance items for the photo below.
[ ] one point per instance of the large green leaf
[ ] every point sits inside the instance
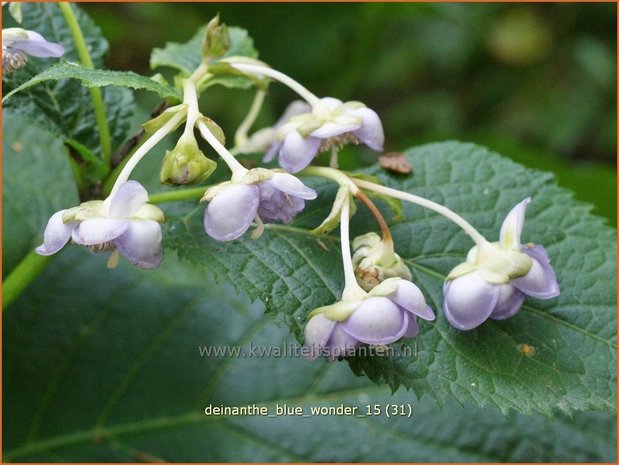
(36, 182)
(573, 335)
(65, 107)
(97, 78)
(115, 374)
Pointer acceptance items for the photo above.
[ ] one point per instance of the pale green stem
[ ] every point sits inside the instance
(237, 169)
(330, 173)
(240, 137)
(95, 93)
(144, 149)
(193, 113)
(22, 275)
(195, 193)
(352, 290)
(446, 212)
(191, 99)
(199, 72)
(258, 70)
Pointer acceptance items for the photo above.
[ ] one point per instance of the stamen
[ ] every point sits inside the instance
(113, 260)
(13, 59)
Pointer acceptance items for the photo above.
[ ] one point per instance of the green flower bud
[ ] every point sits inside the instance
(375, 261)
(216, 40)
(185, 164)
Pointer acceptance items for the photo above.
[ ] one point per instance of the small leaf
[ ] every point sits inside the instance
(216, 40)
(97, 78)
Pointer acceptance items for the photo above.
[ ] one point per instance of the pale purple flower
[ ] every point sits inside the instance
(388, 313)
(303, 131)
(126, 223)
(17, 43)
(494, 286)
(234, 207)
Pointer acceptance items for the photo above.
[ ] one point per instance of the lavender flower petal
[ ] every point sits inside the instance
(99, 230)
(412, 330)
(128, 200)
(230, 213)
(509, 302)
(56, 235)
(540, 281)
(317, 333)
(371, 131)
(296, 152)
(141, 243)
(469, 300)
(410, 298)
(340, 343)
(37, 46)
(511, 229)
(292, 185)
(298, 107)
(378, 320)
(276, 205)
(333, 129)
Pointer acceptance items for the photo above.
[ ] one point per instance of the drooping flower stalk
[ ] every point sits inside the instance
(352, 290)
(259, 70)
(240, 137)
(144, 149)
(380, 219)
(191, 99)
(477, 237)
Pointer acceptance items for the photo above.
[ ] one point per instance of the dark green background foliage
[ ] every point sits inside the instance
(103, 365)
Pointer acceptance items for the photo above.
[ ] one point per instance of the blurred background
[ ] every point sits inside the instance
(535, 82)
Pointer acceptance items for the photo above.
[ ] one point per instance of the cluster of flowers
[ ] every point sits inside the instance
(379, 304)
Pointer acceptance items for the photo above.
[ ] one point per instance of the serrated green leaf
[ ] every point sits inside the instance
(186, 57)
(294, 272)
(65, 107)
(97, 78)
(114, 374)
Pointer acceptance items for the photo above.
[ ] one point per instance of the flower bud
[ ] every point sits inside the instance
(375, 261)
(216, 40)
(185, 164)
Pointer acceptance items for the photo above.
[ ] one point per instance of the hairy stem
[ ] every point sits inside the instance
(95, 93)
